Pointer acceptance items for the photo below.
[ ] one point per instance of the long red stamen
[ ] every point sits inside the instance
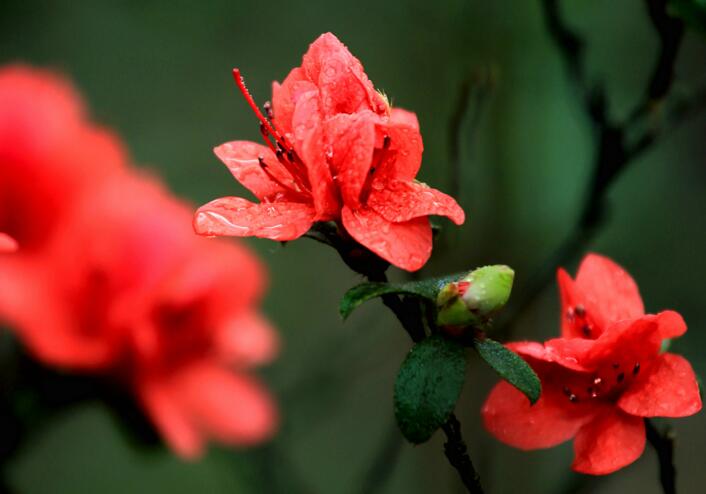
(248, 97)
(266, 137)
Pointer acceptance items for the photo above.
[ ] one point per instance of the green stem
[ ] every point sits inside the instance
(455, 447)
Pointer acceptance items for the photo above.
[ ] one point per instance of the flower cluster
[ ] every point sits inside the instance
(335, 150)
(601, 378)
(110, 279)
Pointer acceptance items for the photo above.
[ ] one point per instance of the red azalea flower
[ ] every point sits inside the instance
(335, 150)
(171, 315)
(601, 378)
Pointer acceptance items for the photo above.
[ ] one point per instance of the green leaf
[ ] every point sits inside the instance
(427, 289)
(693, 12)
(510, 367)
(428, 386)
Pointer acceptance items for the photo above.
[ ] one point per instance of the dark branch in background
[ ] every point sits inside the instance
(616, 144)
(664, 447)
(472, 97)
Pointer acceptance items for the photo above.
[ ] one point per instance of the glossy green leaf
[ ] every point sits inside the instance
(426, 289)
(510, 367)
(428, 386)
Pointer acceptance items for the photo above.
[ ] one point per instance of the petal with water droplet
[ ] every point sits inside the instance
(243, 160)
(668, 388)
(610, 289)
(404, 157)
(310, 144)
(608, 443)
(285, 96)
(352, 137)
(508, 415)
(402, 201)
(340, 78)
(238, 217)
(406, 245)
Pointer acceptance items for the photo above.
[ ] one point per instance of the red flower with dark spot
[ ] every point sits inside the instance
(335, 150)
(601, 378)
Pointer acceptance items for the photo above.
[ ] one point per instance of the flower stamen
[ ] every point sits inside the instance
(263, 121)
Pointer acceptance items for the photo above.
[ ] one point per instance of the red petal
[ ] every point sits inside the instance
(237, 217)
(671, 324)
(404, 117)
(340, 78)
(404, 157)
(7, 243)
(232, 408)
(247, 339)
(352, 138)
(625, 343)
(667, 389)
(567, 352)
(51, 334)
(310, 144)
(225, 273)
(507, 415)
(402, 201)
(608, 443)
(172, 421)
(285, 97)
(570, 297)
(609, 288)
(406, 245)
(241, 158)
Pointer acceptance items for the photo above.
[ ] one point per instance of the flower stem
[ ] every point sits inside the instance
(457, 454)
(663, 443)
(409, 314)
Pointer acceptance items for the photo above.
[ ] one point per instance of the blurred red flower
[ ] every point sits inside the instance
(49, 153)
(124, 289)
(335, 150)
(601, 378)
(7, 243)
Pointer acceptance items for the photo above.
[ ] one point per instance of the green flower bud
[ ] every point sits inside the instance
(475, 298)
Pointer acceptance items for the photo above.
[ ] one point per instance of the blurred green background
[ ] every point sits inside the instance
(159, 73)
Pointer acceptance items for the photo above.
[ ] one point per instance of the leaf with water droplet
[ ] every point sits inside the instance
(428, 386)
(426, 289)
(510, 367)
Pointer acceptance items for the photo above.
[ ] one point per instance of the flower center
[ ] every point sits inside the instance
(277, 143)
(606, 384)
